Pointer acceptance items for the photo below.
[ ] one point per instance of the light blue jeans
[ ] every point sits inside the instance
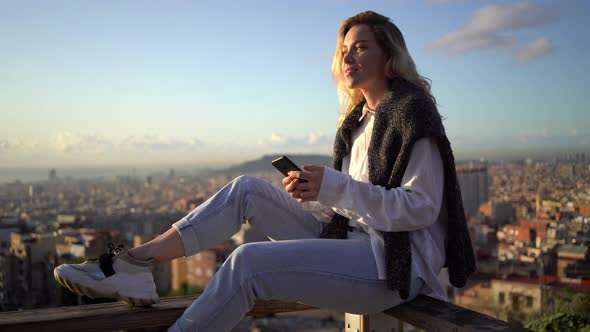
(295, 266)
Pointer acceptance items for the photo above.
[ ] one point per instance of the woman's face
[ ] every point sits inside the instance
(363, 61)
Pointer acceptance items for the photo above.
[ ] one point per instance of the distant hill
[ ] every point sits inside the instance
(263, 164)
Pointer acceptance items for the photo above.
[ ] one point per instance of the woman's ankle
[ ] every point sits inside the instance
(139, 253)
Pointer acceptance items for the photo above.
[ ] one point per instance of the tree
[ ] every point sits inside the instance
(569, 314)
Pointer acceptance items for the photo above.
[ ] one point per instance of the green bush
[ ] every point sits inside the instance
(569, 314)
(186, 290)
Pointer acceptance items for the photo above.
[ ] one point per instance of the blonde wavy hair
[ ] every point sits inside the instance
(391, 40)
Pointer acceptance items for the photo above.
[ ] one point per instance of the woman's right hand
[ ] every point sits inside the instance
(304, 185)
(290, 184)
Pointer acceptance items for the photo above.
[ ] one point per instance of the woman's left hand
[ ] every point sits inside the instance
(306, 191)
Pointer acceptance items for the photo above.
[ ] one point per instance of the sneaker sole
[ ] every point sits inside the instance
(81, 284)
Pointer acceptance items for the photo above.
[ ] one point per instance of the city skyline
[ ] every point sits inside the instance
(208, 83)
(529, 224)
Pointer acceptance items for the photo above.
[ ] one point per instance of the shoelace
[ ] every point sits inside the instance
(106, 260)
(112, 250)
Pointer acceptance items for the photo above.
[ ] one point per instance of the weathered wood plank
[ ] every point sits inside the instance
(118, 315)
(424, 312)
(435, 315)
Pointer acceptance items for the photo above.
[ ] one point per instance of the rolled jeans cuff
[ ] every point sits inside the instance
(188, 236)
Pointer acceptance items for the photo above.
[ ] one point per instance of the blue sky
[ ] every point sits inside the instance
(213, 82)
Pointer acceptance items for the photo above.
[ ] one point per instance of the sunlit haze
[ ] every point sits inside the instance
(213, 82)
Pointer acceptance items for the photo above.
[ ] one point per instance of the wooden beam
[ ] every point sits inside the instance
(118, 315)
(424, 312)
(435, 315)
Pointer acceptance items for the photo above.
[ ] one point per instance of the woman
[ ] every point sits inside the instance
(391, 194)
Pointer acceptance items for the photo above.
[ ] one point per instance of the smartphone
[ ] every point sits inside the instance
(285, 165)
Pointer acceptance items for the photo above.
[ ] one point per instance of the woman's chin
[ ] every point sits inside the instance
(352, 84)
(355, 82)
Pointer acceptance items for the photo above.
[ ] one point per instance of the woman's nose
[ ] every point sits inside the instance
(347, 57)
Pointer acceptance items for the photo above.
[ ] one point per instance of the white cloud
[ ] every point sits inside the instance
(535, 49)
(312, 140)
(5, 145)
(67, 142)
(18, 145)
(84, 144)
(275, 140)
(499, 18)
(459, 42)
(159, 143)
(492, 26)
(26, 146)
(572, 132)
(534, 134)
(319, 137)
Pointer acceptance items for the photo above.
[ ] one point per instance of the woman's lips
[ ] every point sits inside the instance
(349, 72)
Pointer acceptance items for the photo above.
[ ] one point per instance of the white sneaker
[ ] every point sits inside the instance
(112, 275)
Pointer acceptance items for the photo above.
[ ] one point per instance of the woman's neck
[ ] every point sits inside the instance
(374, 95)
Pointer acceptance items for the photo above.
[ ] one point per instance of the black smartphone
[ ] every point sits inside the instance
(285, 165)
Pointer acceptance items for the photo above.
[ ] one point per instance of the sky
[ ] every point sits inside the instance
(89, 83)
